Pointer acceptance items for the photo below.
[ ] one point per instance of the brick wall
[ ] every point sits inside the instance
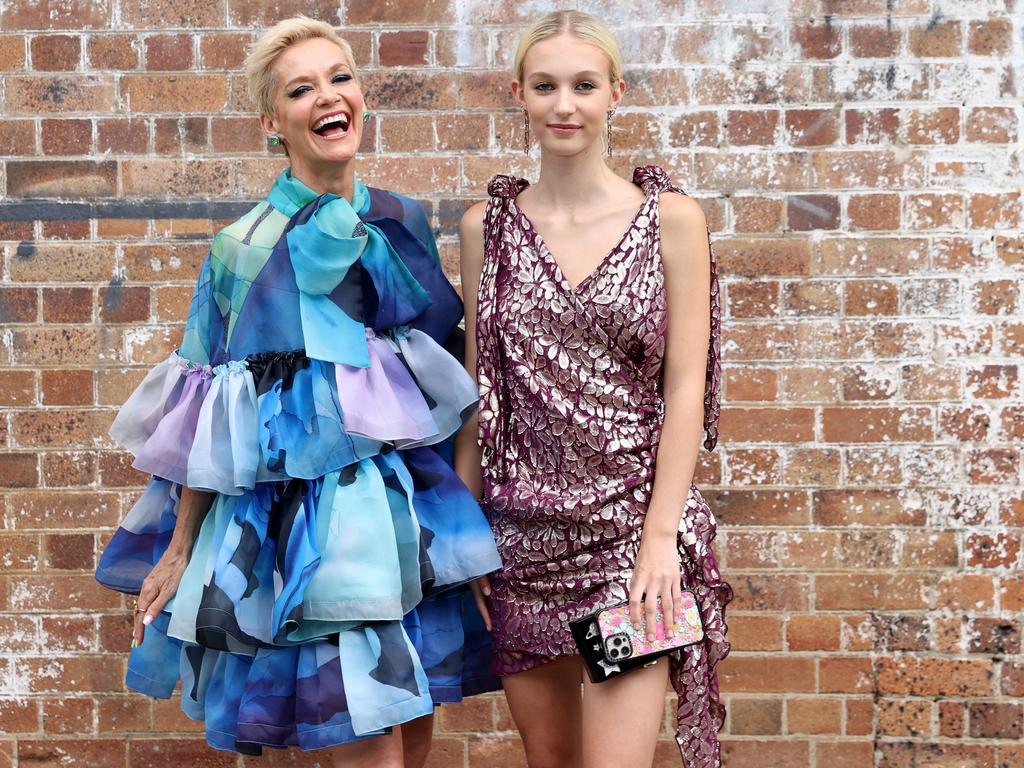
(860, 164)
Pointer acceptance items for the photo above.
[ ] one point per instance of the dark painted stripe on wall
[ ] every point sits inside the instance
(51, 210)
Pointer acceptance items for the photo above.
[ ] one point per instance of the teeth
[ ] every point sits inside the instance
(341, 120)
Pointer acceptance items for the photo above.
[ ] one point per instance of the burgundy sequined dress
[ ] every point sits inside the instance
(570, 418)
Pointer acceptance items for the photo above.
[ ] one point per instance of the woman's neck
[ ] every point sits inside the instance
(335, 178)
(573, 181)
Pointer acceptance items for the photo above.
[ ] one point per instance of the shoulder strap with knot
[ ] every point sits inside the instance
(493, 416)
(653, 179)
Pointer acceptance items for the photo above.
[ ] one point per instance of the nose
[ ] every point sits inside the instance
(327, 96)
(564, 105)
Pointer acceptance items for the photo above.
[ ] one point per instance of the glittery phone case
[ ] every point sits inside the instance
(610, 645)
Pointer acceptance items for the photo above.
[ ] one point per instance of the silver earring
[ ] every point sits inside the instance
(526, 132)
(608, 141)
(273, 140)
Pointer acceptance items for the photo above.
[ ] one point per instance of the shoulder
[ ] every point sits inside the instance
(680, 211)
(472, 222)
(684, 233)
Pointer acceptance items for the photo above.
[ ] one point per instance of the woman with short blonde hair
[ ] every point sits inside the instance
(300, 553)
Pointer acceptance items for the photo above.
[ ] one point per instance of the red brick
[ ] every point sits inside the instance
(860, 425)
(992, 125)
(872, 126)
(814, 715)
(992, 550)
(745, 127)
(68, 715)
(807, 212)
(186, 93)
(991, 37)
(696, 129)
(767, 674)
(812, 127)
(19, 305)
(67, 305)
(937, 39)
(874, 212)
(789, 753)
(56, 53)
(17, 388)
(67, 387)
(904, 717)
(404, 49)
(935, 211)
(817, 41)
(858, 508)
(61, 178)
(755, 717)
(12, 53)
(57, 94)
(755, 632)
(113, 52)
(934, 677)
(760, 257)
(56, 14)
(997, 211)
(933, 126)
(996, 720)
(110, 753)
(768, 424)
(168, 52)
(812, 633)
(870, 41)
(741, 507)
(856, 592)
(122, 136)
(992, 381)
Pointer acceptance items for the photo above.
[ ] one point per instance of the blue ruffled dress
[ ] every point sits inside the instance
(323, 601)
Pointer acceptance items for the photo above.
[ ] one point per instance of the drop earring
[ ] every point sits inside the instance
(526, 132)
(608, 140)
(367, 115)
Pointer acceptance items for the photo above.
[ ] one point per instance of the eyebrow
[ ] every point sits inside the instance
(588, 73)
(311, 76)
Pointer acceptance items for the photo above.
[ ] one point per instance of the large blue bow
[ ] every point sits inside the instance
(323, 249)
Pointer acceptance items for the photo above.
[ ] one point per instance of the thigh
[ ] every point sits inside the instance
(546, 707)
(416, 737)
(375, 752)
(622, 718)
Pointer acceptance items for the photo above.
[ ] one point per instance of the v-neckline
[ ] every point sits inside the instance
(542, 246)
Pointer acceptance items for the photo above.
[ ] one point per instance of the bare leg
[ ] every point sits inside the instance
(622, 717)
(416, 737)
(546, 706)
(375, 752)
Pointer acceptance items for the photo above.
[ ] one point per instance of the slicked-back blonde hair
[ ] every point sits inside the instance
(582, 26)
(259, 64)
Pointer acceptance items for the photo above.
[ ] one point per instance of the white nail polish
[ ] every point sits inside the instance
(147, 620)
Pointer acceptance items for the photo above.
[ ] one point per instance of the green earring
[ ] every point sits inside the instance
(273, 140)
(367, 115)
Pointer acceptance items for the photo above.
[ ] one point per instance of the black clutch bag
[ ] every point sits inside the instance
(610, 645)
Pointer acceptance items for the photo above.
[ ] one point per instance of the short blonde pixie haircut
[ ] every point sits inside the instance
(259, 64)
(582, 26)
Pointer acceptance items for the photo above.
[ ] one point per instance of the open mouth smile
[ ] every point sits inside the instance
(333, 126)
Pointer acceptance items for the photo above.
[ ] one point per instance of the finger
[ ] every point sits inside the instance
(481, 603)
(667, 610)
(485, 585)
(153, 609)
(636, 593)
(677, 604)
(651, 613)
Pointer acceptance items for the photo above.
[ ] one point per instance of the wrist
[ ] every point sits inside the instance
(658, 533)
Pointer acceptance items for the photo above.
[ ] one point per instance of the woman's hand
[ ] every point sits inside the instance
(657, 575)
(481, 588)
(159, 587)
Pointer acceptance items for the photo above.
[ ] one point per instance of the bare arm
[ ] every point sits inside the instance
(471, 233)
(467, 449)
(162, 582)
(687, 266)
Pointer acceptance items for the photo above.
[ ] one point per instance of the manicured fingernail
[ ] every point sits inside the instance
(147, 619)
(487, 591)
(135, 643)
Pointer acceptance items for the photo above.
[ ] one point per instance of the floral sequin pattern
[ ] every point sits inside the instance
(570, 417)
